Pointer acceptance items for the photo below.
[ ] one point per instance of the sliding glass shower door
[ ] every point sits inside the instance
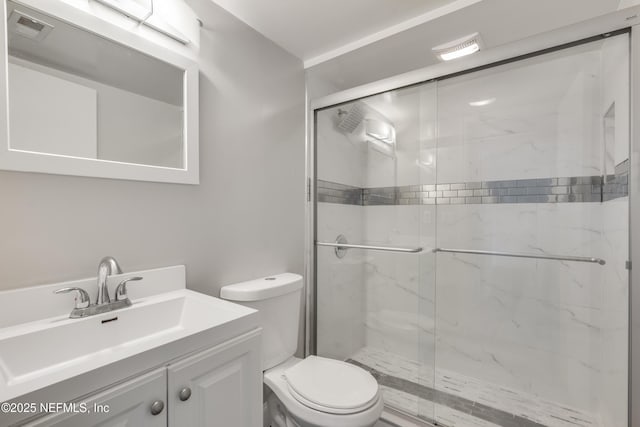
(375, 306)
(534, 155)
(490, 288)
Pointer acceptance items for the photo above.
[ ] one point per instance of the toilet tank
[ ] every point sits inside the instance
(278, 299)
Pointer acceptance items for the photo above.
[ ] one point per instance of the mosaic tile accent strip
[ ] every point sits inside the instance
(546, 190)
(332, 192)
(616, 185)
(542, 190)
(459, 400)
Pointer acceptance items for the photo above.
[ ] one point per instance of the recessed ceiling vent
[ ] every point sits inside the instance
(28, 26)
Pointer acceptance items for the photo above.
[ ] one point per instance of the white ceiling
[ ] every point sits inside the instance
(498, 21)
(388, 37)
(316, 30)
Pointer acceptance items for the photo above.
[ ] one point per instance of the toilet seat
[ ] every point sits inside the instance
(305, 415)
(331, 386)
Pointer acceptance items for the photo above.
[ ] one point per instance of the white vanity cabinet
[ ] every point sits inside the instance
(128, 404)
(220, 386)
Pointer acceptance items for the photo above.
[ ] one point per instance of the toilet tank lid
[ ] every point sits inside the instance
(263, 288)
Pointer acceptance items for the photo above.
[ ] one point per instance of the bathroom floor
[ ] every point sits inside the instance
(461, 401)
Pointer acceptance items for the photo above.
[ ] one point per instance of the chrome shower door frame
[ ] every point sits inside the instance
(634, 229)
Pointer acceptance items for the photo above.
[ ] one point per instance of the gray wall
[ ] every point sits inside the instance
(245, 219)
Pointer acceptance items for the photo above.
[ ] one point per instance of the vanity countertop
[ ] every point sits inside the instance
(166, 321)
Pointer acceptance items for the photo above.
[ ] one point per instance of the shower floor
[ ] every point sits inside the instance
(461, 401)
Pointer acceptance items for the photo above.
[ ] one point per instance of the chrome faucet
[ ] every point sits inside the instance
(108, 266)
(83, 308)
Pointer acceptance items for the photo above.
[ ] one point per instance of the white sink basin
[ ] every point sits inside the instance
(37, 354)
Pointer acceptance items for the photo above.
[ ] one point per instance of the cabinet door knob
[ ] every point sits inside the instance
(185, 394)
(157, 407)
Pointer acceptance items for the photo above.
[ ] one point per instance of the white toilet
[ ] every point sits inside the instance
(311, 392)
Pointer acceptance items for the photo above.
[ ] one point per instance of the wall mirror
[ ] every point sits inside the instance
(85, 97)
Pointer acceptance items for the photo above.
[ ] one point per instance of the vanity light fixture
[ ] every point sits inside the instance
(458, 48)
(145, 12)
(140, 10)
(482, 102)
(380, 131)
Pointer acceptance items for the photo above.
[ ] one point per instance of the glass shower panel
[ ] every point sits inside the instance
(532, 159)
(375, 308)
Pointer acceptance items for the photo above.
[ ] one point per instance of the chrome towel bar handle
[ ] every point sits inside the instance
(342, 245)
(524, 255)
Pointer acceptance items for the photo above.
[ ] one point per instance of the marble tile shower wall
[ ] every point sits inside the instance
(340, 283)
(400, 300)
(535, 326)
(529, 325)
(615, 314)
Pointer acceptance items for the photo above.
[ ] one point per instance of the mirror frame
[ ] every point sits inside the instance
(27, 161)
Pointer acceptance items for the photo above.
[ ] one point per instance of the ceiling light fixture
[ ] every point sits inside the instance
(482, 102)
(458, 48)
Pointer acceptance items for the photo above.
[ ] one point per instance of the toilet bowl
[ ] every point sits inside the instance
(310, 392)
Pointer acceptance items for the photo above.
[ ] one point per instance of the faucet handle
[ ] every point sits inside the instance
(84, 296)
(121, 289)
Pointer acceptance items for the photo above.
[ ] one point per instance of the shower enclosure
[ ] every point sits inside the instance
(471, 239)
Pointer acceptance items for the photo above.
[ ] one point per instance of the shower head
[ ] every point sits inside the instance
(349, 119)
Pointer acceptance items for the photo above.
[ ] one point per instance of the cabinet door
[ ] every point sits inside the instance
(223, 385)
(124, 405)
